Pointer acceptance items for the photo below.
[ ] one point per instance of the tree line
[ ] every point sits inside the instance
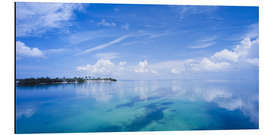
(47, 80)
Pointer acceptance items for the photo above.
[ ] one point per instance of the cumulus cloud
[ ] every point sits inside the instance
(246, 51)
(143, 67)
(226, 55)
(207, 65)
(24, 50)
(102, 67)
(225, 60)
(106, 68)
(248, 47)
(241, 56)
(175, 66)
(37, 18)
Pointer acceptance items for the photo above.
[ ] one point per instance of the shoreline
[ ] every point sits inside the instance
(48, 81)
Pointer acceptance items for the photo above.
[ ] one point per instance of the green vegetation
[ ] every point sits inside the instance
(106, 79)
(47, 80)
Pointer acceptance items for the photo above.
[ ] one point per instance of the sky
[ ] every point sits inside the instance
(136, 42)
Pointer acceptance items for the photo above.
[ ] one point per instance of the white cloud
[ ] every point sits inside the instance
(226, 55)
(247, 51)
(143, 67)
(103, 22)
(37, 18)
(177, 65)
(102, 67)
(207, 65)
(239, 57)
(224, 60)
(104, 45)
(24, 50)
(203, 45)
(106, 68)
(245, 48)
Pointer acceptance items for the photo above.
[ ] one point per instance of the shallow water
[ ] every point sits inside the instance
(137, 106)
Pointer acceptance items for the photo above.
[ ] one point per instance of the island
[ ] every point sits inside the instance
(47, 80)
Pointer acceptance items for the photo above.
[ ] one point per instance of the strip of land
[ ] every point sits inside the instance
(47, 80)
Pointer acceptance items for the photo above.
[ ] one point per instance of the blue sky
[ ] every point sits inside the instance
(136, 41)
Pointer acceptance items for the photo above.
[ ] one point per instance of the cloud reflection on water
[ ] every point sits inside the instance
(155, 98)
(212, 92)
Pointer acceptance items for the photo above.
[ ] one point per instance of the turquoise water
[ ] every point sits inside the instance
(137, 106)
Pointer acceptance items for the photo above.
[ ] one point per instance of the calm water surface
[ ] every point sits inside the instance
(137, 106)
